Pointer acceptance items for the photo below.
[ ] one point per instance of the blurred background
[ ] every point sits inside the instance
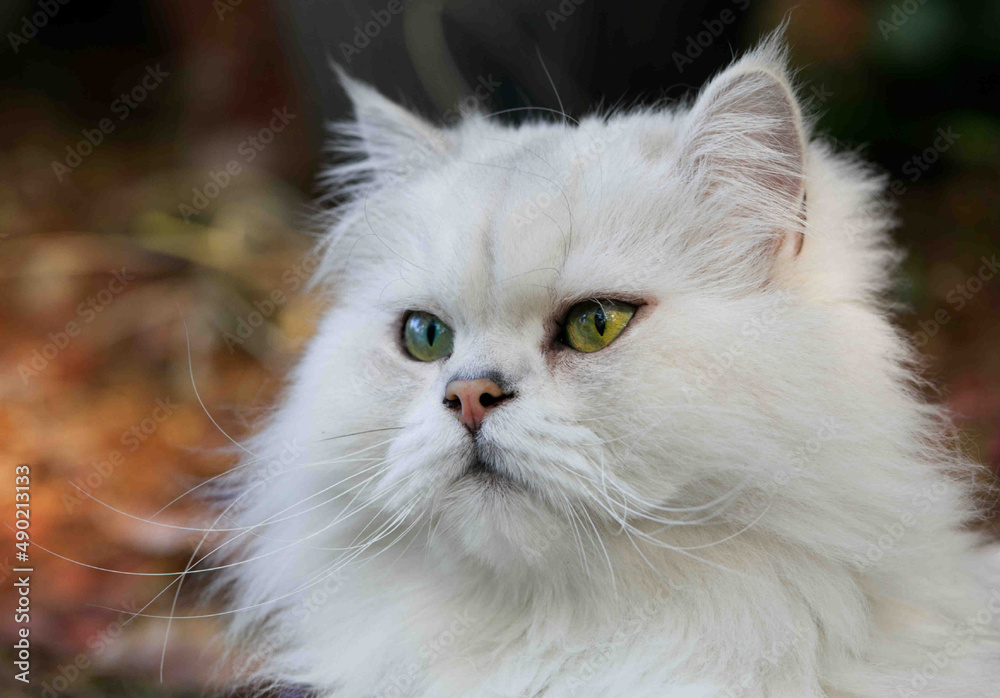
(157, 164)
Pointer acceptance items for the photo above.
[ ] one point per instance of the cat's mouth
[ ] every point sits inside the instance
(485, 471)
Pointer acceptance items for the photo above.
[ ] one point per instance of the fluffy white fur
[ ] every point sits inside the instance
(744, 495)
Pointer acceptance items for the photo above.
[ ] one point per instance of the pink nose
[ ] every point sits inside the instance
(473, 398)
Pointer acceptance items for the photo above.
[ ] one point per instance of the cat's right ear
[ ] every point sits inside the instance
(390, 140)
(746, 137)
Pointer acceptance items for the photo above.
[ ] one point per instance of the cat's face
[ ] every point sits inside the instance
(534, 317)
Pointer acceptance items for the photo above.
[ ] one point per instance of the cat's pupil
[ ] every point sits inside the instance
(599, 322)
(431, 333)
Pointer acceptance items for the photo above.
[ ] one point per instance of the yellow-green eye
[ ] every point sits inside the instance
(426, 337)
(593, 325)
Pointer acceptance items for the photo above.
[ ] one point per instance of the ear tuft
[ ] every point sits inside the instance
(391, 140)
(746, 135)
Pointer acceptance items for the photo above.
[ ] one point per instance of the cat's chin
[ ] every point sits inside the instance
(493, 516)
(490, 479)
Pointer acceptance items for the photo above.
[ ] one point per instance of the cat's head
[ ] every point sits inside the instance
(565, 336)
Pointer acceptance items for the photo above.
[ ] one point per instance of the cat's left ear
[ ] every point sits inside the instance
(745, 140)
(392, 140)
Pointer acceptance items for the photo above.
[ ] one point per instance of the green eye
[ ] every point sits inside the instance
(593, 325)
(426, 337)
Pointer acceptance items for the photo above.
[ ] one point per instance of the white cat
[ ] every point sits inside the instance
(611, 408)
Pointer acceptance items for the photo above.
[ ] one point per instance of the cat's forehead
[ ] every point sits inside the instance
(536, 216)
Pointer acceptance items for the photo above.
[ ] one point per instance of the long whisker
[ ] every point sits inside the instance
(729, 537)
(629, 530)
(714, 565)
(250, 463)
(359, 549)
(180, 583)
(344, 516)
(358, 433)
(398, 522)
(194, 386)
(314, 464)
(242, 531)
(577, 537)
(607, 557)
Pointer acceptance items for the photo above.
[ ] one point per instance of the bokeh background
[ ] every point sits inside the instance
(98, 372)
